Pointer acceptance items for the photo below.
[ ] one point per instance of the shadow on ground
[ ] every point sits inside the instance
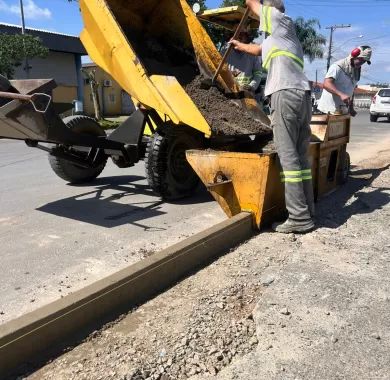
(335, 209)
(101, 207)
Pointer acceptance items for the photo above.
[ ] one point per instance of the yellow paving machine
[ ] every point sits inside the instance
(158, 51)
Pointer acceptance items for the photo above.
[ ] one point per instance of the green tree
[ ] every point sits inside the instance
(94, 84)
(312, 42)
(231, 3)
(14, 49)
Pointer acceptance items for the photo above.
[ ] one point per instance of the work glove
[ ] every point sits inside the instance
(247, 87)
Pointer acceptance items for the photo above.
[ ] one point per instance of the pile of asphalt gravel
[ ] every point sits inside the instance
(225, 117)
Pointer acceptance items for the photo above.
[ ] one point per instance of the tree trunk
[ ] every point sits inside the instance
(95, 98)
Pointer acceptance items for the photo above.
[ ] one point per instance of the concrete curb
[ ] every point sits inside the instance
(35, 335)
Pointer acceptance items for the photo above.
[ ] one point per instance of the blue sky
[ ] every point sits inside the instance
(369, 19)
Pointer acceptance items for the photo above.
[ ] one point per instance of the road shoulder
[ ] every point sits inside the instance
(277, 307)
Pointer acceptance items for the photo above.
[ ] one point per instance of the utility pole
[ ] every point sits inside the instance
(332, 29)
(27, 67)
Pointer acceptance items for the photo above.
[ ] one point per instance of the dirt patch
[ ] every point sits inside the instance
(225, 116)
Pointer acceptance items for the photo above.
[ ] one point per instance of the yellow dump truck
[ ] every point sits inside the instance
(158, 51)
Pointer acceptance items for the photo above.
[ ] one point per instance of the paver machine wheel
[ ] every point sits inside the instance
(76, 173)
(344, 170)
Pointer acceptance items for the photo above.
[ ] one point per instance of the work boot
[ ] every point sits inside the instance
(294, 226)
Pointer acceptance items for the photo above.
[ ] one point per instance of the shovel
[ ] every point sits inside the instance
(40, 102)
(210, 82)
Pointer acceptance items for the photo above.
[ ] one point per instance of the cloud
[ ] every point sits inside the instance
(387, 69)
(31, 10)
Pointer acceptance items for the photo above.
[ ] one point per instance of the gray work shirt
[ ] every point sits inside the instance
(284, 71)
(246, 68)
(330, 103)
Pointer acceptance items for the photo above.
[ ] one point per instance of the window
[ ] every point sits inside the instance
(384, 93)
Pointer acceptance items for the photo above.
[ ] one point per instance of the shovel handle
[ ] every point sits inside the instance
(230, 47)
(11, 95)
(29, 98)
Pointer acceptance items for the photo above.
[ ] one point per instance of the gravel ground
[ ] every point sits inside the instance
(314, 306)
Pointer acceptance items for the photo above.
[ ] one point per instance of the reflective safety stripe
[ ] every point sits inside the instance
(297, 179)
(291, 179)
(296, 172)
(269, 56)
(257, 73)
(275, 52)
(296, 175)
(243, 79)
(266, 19)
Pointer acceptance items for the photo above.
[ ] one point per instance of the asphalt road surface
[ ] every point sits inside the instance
(367, 138)
(56, 238)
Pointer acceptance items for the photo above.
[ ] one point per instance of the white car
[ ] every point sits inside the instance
(380, 105)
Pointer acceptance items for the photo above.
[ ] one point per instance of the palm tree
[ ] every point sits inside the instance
(312, 42)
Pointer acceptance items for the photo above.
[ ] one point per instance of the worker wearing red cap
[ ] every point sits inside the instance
(340, 82)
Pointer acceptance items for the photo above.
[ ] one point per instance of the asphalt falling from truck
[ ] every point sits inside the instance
(225, 116)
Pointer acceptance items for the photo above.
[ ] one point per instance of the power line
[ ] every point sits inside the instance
(332, 29)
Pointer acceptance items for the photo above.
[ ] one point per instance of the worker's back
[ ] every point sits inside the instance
(282, 53)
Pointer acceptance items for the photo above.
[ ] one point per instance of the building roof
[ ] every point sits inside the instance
(53, 41)
(89, 64)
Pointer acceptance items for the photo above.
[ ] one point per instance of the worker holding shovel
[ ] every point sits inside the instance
(289, 91)
(246, 68)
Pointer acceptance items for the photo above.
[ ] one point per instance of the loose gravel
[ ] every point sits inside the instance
(313, 306)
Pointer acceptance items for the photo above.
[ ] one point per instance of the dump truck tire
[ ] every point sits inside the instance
(70, 171)
(168, 173)
(343, 173)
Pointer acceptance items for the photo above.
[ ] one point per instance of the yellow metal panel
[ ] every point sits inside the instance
(241, 182)
(228, 17)
(109, 48)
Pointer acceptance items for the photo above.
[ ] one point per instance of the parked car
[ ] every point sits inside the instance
(380, 105)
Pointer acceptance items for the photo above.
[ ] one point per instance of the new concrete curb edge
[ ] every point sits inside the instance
(33, 335)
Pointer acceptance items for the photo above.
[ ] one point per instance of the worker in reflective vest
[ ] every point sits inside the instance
(289, 91)
(246, 68)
